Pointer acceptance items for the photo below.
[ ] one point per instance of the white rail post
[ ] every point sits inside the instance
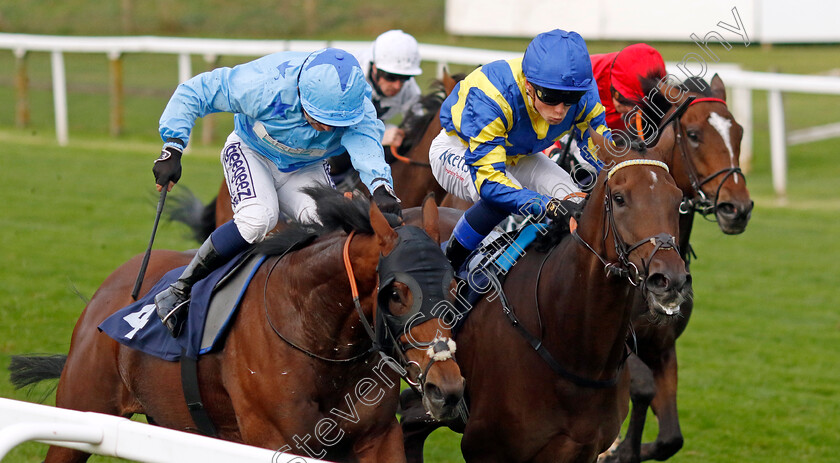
(778, 154)
(59, 97)
(184, 67)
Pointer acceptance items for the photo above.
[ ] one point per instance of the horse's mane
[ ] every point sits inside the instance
(417, 119)
(335, 211)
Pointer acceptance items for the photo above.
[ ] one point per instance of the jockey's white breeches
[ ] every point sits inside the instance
(260, 192)
(536, 172)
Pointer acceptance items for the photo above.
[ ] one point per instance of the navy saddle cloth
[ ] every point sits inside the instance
(138, 326)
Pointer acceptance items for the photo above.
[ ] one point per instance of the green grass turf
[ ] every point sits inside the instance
(758, 363)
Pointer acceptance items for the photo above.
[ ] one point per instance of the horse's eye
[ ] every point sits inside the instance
(693, 136)
(619, 199)
(395, 295)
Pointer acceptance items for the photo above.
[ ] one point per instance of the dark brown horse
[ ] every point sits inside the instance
(410, 168)
(705, 165)
(574, 296)
(296, 371)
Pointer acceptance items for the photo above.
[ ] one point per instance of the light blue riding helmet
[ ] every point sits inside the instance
(558, 60)
(332, 87)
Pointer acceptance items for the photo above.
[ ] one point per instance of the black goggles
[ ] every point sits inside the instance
(391, 77)
(553, 97)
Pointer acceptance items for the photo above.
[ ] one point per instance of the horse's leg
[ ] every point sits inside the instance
(90, 381)
(384, 448)
(669, 440)
(642, 390)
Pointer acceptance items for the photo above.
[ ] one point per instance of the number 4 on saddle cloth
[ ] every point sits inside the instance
(213, 302)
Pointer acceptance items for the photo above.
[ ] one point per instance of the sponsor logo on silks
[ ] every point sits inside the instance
(240, 185)
(455, 160)
(138, 320)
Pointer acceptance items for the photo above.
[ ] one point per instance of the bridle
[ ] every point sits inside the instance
(438, 350)
(624, 268)
(700, 202)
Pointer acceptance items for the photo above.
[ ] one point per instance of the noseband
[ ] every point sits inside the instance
(624, 267)
(700, 202)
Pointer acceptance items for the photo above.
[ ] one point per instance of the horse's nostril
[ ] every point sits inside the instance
(432, 392)
(451, 400)
(727, 209)
(657, 281)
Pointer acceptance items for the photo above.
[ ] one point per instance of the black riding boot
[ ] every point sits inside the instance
(172, 303)
(456, 253)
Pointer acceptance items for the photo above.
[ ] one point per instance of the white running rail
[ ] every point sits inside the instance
(739, 82)
(120, 437)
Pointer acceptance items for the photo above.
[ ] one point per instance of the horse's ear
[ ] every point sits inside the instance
(448, 82)
(385, 235)
(606, 150)
(665, 143)
(431, 219)
(718, 89)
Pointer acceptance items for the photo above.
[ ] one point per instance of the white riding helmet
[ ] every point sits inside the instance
(397, 52)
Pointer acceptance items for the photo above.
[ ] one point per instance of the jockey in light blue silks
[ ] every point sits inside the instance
(495, 124)
(293, 110)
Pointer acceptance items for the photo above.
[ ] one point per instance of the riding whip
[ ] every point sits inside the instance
(145, 262)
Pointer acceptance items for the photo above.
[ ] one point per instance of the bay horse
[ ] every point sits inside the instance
(410, 168)
(705, 165)
(297, 361)
(574, 295)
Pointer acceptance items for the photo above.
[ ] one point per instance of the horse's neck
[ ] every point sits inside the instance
(679, 170)
(588, 309)
(330, 320)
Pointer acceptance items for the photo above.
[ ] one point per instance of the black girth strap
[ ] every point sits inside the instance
(540, 348)
(189, 384)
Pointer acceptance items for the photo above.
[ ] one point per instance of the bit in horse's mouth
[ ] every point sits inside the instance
(670, 308)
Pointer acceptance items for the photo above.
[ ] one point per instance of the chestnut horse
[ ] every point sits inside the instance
(298, 359)
(705, 165)
(410, 168)
(560, 393)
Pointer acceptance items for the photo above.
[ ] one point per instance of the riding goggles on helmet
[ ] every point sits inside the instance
(552, 97)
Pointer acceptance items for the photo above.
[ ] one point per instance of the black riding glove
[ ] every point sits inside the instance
(563, 210)
(167, 167)
(386, 200)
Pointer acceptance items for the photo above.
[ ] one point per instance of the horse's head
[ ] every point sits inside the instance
(413, 302)
(632, 214)
(706, 156)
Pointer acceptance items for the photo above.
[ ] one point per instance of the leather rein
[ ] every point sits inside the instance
(406, 160)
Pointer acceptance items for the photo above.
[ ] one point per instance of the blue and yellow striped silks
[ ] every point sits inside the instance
(491, 113)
